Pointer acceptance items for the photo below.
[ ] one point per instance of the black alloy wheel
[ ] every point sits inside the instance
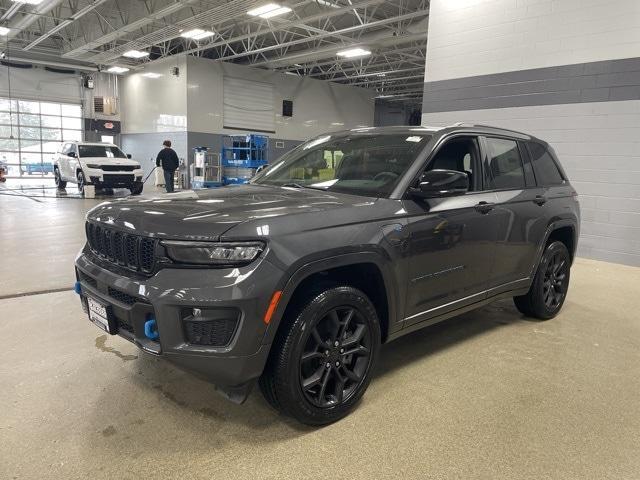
(336, 357)
(549, 287)
(321, 360)
(554, 287)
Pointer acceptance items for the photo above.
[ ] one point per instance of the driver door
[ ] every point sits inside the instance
(452, 240)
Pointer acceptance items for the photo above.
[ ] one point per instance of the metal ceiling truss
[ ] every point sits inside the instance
(305, 42)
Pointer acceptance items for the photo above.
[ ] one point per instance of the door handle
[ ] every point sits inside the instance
(485, 207)
(540, 200)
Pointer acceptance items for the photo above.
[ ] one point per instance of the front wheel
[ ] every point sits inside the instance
(136, 188)
(61, 184)
(550, 284)
(321, 361)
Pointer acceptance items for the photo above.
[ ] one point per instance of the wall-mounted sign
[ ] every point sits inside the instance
(111, 126)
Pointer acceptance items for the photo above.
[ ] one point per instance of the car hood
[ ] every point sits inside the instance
(208, 214)
(109, 161)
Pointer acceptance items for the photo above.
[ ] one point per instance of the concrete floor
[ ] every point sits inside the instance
(486, 395)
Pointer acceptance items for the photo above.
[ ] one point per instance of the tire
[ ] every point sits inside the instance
(81, 181)
(136, 188)
(61, 184)
(337, 331)
(550, 284)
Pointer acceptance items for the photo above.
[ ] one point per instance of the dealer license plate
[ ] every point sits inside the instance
(98, 314)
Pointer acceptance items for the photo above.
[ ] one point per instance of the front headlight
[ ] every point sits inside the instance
(94, 165)
(213, 253)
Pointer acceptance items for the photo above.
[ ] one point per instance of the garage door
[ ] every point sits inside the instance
(248, 105)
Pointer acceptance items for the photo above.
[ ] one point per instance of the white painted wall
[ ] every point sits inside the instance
(155, 105)
(317, 106)
(599, 146)
(477, 37)
(194, 100)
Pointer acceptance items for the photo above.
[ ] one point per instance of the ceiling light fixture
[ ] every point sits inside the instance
(4, 31)
(135, 54)
(152, 75)
(197, 34)
(118, 70)
(354, 52)
(269, 10)
(327, 4)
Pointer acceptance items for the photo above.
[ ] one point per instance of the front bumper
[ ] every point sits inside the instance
(99, 177)
(170, 297)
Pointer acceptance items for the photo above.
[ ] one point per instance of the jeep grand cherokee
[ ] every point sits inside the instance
(350, 240)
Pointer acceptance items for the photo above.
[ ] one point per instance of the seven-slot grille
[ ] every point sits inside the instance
(130, 251)
(117, 168)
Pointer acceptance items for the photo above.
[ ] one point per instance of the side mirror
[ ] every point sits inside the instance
(441, 183)
(129, 156)
(72, 154)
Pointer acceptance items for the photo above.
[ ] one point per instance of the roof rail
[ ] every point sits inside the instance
(473, 125)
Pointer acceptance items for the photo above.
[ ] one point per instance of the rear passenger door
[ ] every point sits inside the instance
(520, 207)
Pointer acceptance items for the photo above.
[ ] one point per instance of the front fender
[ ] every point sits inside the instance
(298, 272)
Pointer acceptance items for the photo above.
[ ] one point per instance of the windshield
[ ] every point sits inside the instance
(359, 164)
(100, 151)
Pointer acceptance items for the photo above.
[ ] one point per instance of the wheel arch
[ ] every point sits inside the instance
(366, 271)
(564, 230)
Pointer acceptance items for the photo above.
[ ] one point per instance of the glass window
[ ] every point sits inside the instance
(6, 105)
(50, 108)
(7, 144)
(6, 118)
(75, 123)
(36, 127)
(544, 166)
(26, 106)
(51, 122)
(29, 132)
(72, 135)
(505, 164)
(355, 163)
(29, 120)
(100, 151)
(459, 154)
(71, 110)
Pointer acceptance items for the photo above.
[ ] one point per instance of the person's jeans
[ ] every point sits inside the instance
(168, 180)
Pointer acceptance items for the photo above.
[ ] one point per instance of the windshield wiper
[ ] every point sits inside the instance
(292, 185)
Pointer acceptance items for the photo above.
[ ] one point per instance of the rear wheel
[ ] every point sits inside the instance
(321, 362)
(61, 184)
(550, 284)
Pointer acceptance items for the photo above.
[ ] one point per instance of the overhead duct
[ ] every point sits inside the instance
(20, 24)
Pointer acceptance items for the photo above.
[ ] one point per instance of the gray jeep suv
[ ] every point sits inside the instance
(350, 240)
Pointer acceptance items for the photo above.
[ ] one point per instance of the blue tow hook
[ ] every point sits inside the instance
(77, 288)
(151, 329)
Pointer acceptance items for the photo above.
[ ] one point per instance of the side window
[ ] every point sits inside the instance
(461, 154)
(544, 166)
(505, 164)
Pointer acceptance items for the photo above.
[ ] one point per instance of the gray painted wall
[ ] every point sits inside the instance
(567, 71)
(611, 80)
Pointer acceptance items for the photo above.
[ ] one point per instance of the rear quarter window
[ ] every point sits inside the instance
(544, 166)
